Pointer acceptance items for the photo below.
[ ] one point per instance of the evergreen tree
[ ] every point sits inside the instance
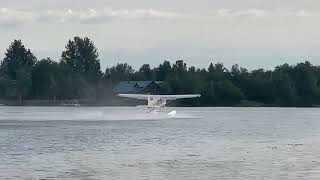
(81, 56)
(46, 76)
(145, 73)
(17, 65)
(163, 70)
(120, 72)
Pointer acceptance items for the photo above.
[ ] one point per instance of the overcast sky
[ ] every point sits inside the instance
(251, 33)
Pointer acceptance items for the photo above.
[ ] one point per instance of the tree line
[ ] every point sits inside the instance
(78, 75)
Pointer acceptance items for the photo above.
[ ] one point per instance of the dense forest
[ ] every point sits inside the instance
(78, 75)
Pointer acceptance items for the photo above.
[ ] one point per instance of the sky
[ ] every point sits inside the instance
(251, 33)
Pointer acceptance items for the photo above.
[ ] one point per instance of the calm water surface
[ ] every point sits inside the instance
(126, 143)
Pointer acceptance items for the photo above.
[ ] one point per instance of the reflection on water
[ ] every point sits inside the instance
(123, 143)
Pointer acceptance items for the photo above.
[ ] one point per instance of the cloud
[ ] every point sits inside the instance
(11, 17)
(86, 16)
(105, 15)
(237, 13)
(95, 16)
(263, 13)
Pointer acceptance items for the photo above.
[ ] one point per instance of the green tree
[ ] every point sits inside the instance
(81, 56)
(120, 72)
(46, 75)
(163, 70)
(24, 81)
(227, 93)
(217, 72)
(209, 96)
(305, 81)
(145, 72)
(17, 65)
(179, 67)
(285, 92)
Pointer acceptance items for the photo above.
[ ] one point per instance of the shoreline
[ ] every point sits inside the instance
(136, 105)
(116, 102)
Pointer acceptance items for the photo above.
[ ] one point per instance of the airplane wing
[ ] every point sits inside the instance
(174, 97)
(135, 96)
(163, 97)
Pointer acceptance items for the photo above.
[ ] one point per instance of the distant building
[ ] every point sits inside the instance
(137, 87)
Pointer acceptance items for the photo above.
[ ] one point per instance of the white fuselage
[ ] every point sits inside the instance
(156, 102)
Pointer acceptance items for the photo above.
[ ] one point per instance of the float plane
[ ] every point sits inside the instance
(159, 101)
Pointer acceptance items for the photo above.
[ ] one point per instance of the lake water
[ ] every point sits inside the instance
(128, 143)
